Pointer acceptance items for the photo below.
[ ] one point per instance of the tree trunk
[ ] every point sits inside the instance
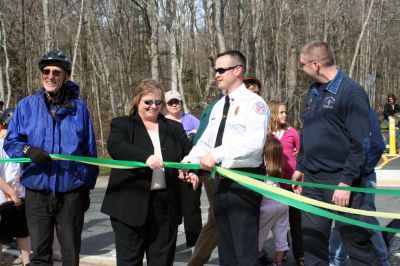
(219, 25)
(360, 37)
(7, 61)
(47, 37)
(154, 54)
(104, 65)
(210, 20)
(1, 73)
(292, 65)
(78, 33)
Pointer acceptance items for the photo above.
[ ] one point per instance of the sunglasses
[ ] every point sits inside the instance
(222, 70)
(55, 73)
(151, 102)
(173, 101)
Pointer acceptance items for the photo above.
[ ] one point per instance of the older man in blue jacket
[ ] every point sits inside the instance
(54, 120)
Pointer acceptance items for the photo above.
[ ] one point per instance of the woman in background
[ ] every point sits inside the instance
(190, 198)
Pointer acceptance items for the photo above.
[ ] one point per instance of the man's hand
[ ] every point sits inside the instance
(341, 197)
(154, 162)
(297, 176)
(207, 162)
(187, 177)
(193, 179)
(14, 196)
(37, 155)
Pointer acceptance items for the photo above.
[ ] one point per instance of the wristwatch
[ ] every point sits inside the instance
(26, 148)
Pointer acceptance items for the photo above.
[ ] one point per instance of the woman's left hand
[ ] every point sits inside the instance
(154, 162)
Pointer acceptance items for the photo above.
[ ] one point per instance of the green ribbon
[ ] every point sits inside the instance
(318, 211)
(120, 164)
(395, 192)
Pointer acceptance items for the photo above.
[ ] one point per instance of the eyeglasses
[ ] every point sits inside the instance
(306, 63)
(173, 101)
(55, 73)
(151, 102)
(222, 70)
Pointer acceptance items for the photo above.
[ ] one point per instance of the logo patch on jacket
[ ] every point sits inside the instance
(260, 108)
(328, 102)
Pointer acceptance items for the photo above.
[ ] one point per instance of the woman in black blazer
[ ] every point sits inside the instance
(144, 203)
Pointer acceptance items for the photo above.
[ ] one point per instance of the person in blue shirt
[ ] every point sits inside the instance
(54, 120)
(335, 129)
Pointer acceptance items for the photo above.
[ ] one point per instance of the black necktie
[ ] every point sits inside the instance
(221, 127)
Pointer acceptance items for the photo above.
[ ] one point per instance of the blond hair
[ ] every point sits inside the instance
(145, 86)
(274, 123)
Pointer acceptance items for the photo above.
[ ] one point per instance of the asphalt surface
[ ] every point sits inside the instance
(98, 238)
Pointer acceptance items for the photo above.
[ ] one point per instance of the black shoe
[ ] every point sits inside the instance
(300, 262)
(284, 258)
(264, 260)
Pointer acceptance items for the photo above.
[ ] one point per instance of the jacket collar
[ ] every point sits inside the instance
(333, 85)
(162, 125)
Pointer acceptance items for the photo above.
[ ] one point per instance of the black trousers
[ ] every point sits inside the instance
(65, 212)
(237, 214)
(317, 230)
(295, 232)
(156, 237)
(191, 212)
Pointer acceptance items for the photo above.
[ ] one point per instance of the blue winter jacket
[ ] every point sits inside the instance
(70, 132)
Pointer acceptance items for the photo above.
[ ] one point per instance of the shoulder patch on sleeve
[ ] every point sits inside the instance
(260, 108)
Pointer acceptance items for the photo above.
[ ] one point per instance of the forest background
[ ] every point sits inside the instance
(114, 44)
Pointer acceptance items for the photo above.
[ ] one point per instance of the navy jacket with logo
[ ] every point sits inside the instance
(336, 127)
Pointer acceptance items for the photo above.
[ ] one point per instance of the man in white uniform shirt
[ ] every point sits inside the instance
(241, 119)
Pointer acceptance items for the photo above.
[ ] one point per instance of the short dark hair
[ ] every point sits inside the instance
(236, 55)
(319, 51)
(391, 95)
(250, 80)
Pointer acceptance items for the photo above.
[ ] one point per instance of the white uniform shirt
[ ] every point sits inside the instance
(244, 135)
(8, 172)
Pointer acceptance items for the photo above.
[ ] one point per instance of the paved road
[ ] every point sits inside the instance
(98, 243)
(98, 239)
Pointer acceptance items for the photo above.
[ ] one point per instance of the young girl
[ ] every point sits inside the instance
(274, 216)
(290, 140)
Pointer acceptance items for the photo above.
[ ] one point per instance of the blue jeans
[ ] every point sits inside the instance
(337, 252)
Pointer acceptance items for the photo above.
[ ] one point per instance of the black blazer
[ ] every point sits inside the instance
(128, 190)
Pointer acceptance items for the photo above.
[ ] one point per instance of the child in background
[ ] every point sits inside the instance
(13, 221)
(274, 216)
(290, 140)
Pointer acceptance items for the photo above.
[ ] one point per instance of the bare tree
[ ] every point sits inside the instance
(152, 7)
(47, 36)
(7, 62)
(219, 24)
(78, 33)
(360, 37)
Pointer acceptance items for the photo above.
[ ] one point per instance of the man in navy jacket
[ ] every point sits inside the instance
(337, 111)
